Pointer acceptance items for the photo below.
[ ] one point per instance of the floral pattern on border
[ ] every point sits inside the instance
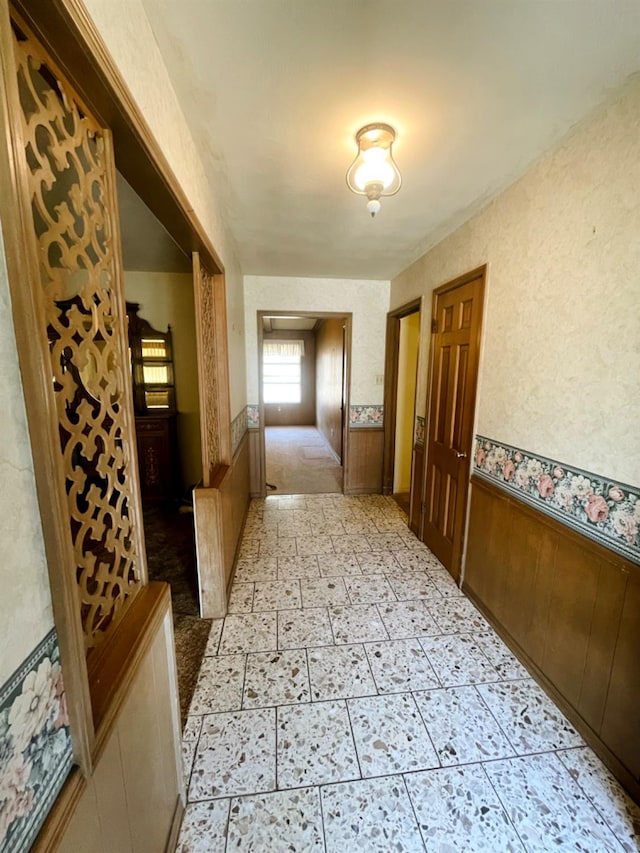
(602, 509)
(419, 430)
(253, 417)
(239, 426)
(366, 416)
(35, 745)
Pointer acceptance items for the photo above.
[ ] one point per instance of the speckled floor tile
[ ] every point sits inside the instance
(497, 652)
(417, 560)
(528, 717)
(377, 562)
(235, 755)
(192, 728)
(390, 735)
(188, 754)
(293, 528)
(249, 549)
(300, 628)
(314, 545)
(385, 542)
(240, 598)
(320, 526)
(340, 672)
(215, 633)
(333, 565)
(455, 615)
(371, 814)
(458, 810)
(298, 567)
(357, 623)
(458, 660)
(461, 727)
(369, 589)
(282, 548)
(276, 678)
(315, 745)
(445, 584)
(399, 666)
(407, 619)
(413, 585)
(248, 632)
(360, 526)
(277, 595)
(204, 828)
(219, 685)
(248, 571)
(323, 591)
(350, 542)
(546, 806)
(615, 806)
(281, 821)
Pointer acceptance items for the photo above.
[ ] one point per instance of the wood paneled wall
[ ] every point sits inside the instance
(417, 479)
(256, 478)
(304, 412)
(363, 473)
(329, 364)
(133, 801)
(570, 608)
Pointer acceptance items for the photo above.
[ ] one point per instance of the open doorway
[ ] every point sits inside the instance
(158, 285)
(401, 368)
(303, 369)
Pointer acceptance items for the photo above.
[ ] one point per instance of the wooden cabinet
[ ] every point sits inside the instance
(155, 407)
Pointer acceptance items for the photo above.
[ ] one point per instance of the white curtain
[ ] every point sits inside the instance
(284, 348)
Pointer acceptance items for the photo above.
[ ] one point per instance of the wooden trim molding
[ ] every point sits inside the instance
(568, 608)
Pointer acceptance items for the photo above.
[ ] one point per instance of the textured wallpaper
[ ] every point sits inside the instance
(368, 301)
(25, 601)
(560, 367)
(125, 28)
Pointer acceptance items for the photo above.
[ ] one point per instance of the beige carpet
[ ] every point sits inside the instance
(299, 462)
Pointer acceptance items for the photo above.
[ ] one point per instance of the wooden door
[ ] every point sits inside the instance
(455, 347)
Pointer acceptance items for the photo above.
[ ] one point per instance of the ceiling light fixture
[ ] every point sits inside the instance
(374, 172)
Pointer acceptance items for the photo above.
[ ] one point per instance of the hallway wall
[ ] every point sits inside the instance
(560, 367)
(367, 300)
(330, 359)
(125, 28)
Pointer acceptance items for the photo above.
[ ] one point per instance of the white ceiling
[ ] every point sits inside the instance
(274, 90)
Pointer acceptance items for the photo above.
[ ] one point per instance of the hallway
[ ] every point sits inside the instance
(354, 699)
(300, 462)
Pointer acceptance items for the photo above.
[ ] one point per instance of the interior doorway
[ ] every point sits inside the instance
(304, 381)
(401, 368)
(453, 368)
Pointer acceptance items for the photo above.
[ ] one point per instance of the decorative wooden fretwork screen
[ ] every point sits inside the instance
(208, 367)
(70, 171)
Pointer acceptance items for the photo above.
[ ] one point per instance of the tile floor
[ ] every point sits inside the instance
(355, 700)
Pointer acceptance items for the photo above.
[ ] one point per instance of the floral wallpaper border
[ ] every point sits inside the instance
(239, 426)
(253, 417)
(602, 509)
(35, 745)
(419, 429)
(366, 416)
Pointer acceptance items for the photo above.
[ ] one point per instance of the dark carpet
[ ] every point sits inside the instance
(171, 557)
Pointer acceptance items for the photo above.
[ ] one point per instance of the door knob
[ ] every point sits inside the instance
(460, 455)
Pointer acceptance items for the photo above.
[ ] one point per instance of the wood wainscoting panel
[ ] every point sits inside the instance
(235, 501)
(569, 608)
(415, 501)
(256, 486)
(363, 473)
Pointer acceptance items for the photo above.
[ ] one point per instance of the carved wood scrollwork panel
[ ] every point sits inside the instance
(69, 168)
(208, 367)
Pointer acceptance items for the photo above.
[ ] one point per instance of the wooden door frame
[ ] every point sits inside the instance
(391, 363)
(479, 272)
(347, 316)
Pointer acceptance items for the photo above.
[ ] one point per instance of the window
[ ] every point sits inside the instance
(282, 371)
